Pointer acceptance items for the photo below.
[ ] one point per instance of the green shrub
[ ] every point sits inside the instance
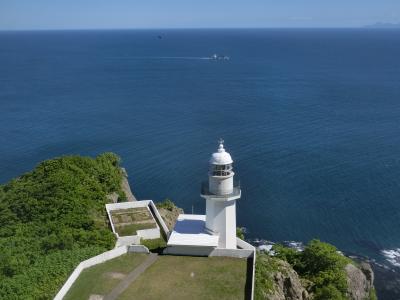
(266, 266)
(166, 204)
(51, 219)
(155, 245)
(328, 292)
(372, 294)
(292, 256)
(320, 263)
(240, 232)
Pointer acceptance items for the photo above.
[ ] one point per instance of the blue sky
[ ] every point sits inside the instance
(95, 14)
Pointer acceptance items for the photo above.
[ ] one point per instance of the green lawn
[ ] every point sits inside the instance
(132, 229)
(102, 278)
(184, 277)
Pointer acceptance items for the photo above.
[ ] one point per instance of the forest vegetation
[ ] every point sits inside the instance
(51, 219)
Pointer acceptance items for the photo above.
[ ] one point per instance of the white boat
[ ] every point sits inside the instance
(219, 57)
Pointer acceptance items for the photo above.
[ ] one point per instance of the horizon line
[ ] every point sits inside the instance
(193, 28)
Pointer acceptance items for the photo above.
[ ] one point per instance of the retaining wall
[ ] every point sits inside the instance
(138, 249)
(127, 240)
(95, 261)
(147, 234)
(86, 264)
(159, 218)
(238, 253)
(246, 246)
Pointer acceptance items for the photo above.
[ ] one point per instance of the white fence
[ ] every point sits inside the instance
(95, 261)
(159, 218)
(86, 264)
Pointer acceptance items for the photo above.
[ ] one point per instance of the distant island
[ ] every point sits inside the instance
(383, 25)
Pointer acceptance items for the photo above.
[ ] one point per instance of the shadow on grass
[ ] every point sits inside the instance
(249, 278)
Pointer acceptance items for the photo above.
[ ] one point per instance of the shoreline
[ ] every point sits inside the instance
(387, 273)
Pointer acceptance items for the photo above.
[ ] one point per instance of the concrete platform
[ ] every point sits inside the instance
(190, 231)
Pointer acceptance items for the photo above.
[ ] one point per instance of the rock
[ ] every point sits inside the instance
(287, 284)
(126, 188)
(113, 197)
(369, 274)
(170, 216)
(360, 281)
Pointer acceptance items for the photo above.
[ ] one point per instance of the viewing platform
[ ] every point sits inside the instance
(205, 191)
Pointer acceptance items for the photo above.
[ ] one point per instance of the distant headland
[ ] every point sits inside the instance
(383, 25)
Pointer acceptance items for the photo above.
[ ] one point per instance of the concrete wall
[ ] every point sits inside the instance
(149, 234)
(246, 246)
(128, 240)
(123, 205)
(86, 264)
(246, 250)
(221, 185)
(221, 219)
(238, 253)
(188, 250)
(146, 234)
(138, 249)
(159, 218)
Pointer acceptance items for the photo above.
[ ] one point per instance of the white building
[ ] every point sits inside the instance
(203, 234)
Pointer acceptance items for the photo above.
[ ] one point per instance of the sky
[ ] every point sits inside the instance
(114, 14)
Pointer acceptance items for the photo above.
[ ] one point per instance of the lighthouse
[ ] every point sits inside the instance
(213, 233)
(221, 193)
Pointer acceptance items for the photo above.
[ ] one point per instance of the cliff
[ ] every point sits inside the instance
(336, 277)
(360, 281)
(169, 212)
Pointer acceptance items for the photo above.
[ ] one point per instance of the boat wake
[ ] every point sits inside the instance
(173, 57)
(392, 256)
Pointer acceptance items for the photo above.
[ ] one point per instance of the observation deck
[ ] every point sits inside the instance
(235, 194)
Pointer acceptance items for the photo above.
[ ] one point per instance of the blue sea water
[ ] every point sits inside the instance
(311, 118)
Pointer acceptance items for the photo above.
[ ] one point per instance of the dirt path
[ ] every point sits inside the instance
(131, 277)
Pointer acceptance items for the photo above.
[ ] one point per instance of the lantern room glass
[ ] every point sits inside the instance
(221, 170)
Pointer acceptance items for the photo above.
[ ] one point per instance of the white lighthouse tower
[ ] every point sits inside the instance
(221, 193)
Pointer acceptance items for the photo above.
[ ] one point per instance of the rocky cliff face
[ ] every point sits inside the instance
(287, 285)
(169, 214)
(360, 280)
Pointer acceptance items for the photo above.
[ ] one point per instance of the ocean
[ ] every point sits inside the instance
(310, 116)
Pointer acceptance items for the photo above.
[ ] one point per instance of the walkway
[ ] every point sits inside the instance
(131, 277)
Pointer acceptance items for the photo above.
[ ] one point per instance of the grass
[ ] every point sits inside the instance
(184, 277)
(129, 221)
(131, 229)
(155, 245)
(138, 214)
(99, 280)
(266, 268)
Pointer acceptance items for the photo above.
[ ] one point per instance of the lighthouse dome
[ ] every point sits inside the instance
(221, 157)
